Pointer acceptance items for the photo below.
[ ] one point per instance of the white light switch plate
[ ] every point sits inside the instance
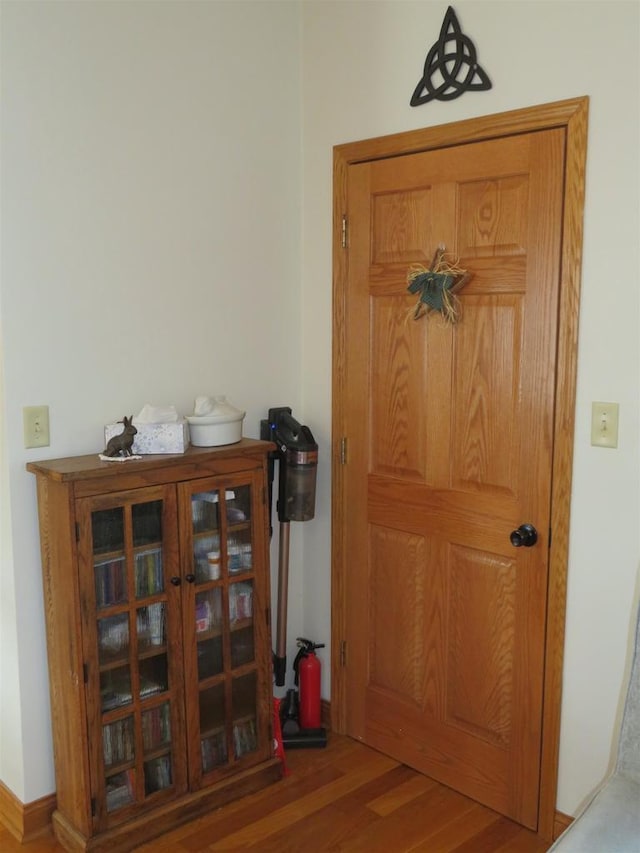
(604, 424)
(36, 426)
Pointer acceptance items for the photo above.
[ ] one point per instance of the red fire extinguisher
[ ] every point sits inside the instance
(307, 676)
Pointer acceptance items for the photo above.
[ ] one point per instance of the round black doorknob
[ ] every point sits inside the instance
(176, 581)
(526, 535)
(189, 578)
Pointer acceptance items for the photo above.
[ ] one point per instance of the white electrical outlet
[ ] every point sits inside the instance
(604, 424)
(36, 426)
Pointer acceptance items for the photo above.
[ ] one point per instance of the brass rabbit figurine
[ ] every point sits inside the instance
(120, 445)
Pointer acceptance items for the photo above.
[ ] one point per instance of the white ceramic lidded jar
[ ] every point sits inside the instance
(215, 421)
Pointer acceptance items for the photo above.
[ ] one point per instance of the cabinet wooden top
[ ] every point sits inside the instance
(90, 466)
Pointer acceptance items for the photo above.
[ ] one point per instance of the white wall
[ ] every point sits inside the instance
(150, 253)
(361, 62)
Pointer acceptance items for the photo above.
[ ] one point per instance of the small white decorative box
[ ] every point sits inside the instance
(154, 438)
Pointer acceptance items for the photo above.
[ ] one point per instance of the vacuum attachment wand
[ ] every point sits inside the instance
(297, 457)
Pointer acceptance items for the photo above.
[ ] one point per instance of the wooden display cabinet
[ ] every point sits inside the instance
(157, 608)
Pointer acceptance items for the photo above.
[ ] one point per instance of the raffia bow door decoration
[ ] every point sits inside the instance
(437, 287)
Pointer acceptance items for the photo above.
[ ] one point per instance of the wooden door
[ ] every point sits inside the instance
(450, 434)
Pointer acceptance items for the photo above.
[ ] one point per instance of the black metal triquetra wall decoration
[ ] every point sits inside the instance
(451, 67)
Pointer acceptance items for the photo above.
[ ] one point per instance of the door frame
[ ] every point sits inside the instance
(572, 116)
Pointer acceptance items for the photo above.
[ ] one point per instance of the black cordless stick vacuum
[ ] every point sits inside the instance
(297, 457)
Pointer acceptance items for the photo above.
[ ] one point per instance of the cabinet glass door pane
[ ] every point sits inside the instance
(239, 552)
(110, 569)
(157, 774)
(213, 739)
(150, 626)
(115, 688)
(156, 738)
(113, 638)
(118, 742)
(209, 633)
(241, 623)
(244, 705)
(107, 530)
(146, 519)
(156, 728)
(154, 677)
(111, 581)
(205, 518)
(120, 789)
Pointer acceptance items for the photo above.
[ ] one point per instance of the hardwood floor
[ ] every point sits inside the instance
(346, 797)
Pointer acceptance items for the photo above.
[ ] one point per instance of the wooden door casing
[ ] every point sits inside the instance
(570, 119)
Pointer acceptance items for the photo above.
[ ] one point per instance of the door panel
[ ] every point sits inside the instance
(486, 378)
(480, 659)
(450, 449)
